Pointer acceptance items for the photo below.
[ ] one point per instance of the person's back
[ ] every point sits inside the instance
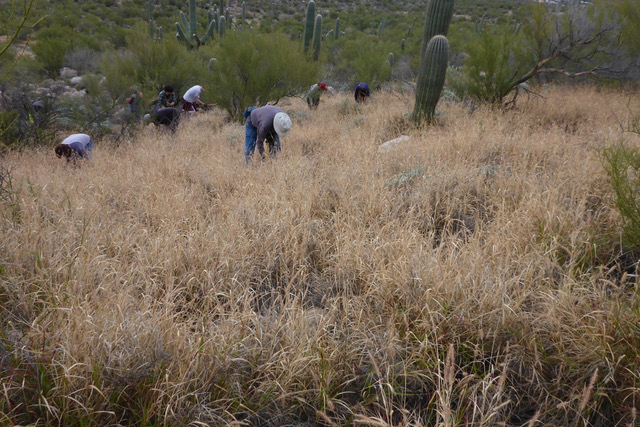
(362, 92)
(76, 145)
(169, 117)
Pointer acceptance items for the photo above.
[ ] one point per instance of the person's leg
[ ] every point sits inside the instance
(89, 149)
(251, 134)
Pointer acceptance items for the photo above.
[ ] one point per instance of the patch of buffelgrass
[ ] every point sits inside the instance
(165, 283)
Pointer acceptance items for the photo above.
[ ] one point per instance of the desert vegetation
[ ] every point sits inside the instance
(475, 275)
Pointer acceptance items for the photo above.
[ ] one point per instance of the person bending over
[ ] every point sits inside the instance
(268, 123)
(78, 145)
(362, 92)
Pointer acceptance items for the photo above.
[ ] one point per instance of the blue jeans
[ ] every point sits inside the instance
(250, 142)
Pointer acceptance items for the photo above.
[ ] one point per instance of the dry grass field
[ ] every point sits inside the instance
(473, 276)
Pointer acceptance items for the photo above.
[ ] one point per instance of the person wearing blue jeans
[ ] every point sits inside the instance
(267, 123)
(75, 146)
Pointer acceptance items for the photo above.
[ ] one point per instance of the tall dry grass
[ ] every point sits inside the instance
(473, 276)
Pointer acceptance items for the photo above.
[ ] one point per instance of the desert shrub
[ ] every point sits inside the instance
(254, 67)
(622, 164)
(52, 43)
(83, 60)
(9, 129)
(366, 57)
(489, 72)
(50, 54)
(148, 65)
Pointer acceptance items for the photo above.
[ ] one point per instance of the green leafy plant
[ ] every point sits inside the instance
(254, 68)
(622, 164)
(148, 65)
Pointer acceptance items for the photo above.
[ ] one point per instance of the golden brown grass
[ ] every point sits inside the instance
(166, 284)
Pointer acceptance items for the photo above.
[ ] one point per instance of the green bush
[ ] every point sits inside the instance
(257, 68)
(490, 72)
(622, 164)
(366, 57)
(9, 130)
(149, 66)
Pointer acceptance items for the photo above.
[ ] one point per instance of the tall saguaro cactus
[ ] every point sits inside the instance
(337, 34)
(188, 34)
(439, 14)
(309, 24)
(431, 75)
(317, 37)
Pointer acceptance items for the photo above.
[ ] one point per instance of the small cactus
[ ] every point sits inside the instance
(222, 26)
(391, 59)
(337, 33)
(431, 76)
(212, 64)
(309, 25)
(317, 37)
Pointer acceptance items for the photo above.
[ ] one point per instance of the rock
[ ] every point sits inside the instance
(76, 81)
(67, 73)
(394, 143)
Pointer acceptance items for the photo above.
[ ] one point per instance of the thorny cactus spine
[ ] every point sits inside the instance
(431, 77)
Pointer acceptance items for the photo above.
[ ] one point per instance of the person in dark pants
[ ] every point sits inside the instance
(268, 123)
(168, 117)
(362, 92)
(75, 146)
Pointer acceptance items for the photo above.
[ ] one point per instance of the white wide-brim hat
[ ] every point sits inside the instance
(282, 124)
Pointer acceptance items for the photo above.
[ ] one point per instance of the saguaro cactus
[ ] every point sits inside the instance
(317, 37)
(244, 14)
(391, 59)
(439, 14)
(337, 34)
(188, 35)
(222, 25)
(309, 24)
(431, 75)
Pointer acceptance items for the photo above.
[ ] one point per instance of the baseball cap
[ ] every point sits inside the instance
(322, 86)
